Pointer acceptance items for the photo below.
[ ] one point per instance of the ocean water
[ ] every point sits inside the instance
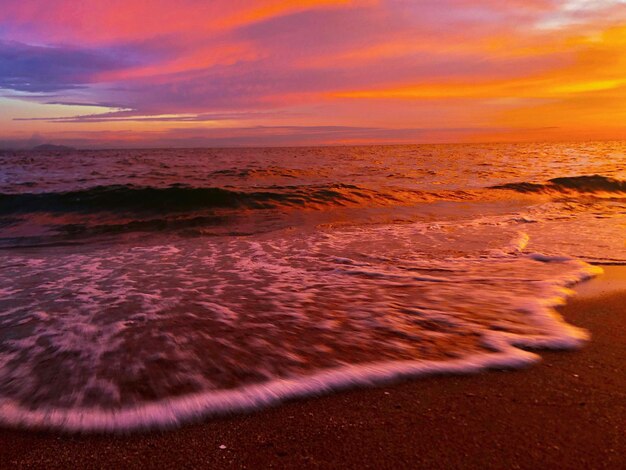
(147, 288)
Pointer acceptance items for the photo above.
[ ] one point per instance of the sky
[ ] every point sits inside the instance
(193, 73)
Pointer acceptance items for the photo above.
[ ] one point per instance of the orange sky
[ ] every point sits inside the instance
(143, 73)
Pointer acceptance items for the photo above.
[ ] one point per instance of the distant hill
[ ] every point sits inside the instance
(52, 148)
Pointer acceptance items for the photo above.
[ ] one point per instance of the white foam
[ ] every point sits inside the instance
(524, 317)
(173, 412)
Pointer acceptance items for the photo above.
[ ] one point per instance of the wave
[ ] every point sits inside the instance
(181, 198)
(178, 198)
(269, 173)
(581, 184)
(161, 367)
(173, 412)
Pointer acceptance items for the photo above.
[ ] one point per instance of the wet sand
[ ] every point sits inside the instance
(569, 411)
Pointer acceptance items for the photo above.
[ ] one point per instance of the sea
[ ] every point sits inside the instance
(144, 289)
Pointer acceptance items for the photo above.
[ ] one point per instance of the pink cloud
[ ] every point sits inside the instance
(274, 58)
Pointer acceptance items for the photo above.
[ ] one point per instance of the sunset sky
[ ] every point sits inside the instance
(144, 73)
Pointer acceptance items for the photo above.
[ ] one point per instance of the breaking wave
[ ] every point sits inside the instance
(180, 198)
(592, 184)
(237, 324)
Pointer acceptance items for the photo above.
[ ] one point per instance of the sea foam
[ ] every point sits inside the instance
(154, 336)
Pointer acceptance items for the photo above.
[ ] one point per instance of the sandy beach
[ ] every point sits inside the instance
(566, 412)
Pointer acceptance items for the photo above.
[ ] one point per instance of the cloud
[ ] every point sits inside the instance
(254, 137)
(132, 116)
(44, 69)
(107, 21)
(370, 64)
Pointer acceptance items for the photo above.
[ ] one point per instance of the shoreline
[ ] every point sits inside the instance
(611, 281)
(567, 411)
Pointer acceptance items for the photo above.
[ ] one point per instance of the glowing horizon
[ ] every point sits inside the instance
(271, 72)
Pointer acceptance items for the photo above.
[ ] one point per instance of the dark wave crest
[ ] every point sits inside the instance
(580, 184)
(269, 172)
(178, 198)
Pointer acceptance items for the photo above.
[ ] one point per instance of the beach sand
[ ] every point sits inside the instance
(569, 411)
